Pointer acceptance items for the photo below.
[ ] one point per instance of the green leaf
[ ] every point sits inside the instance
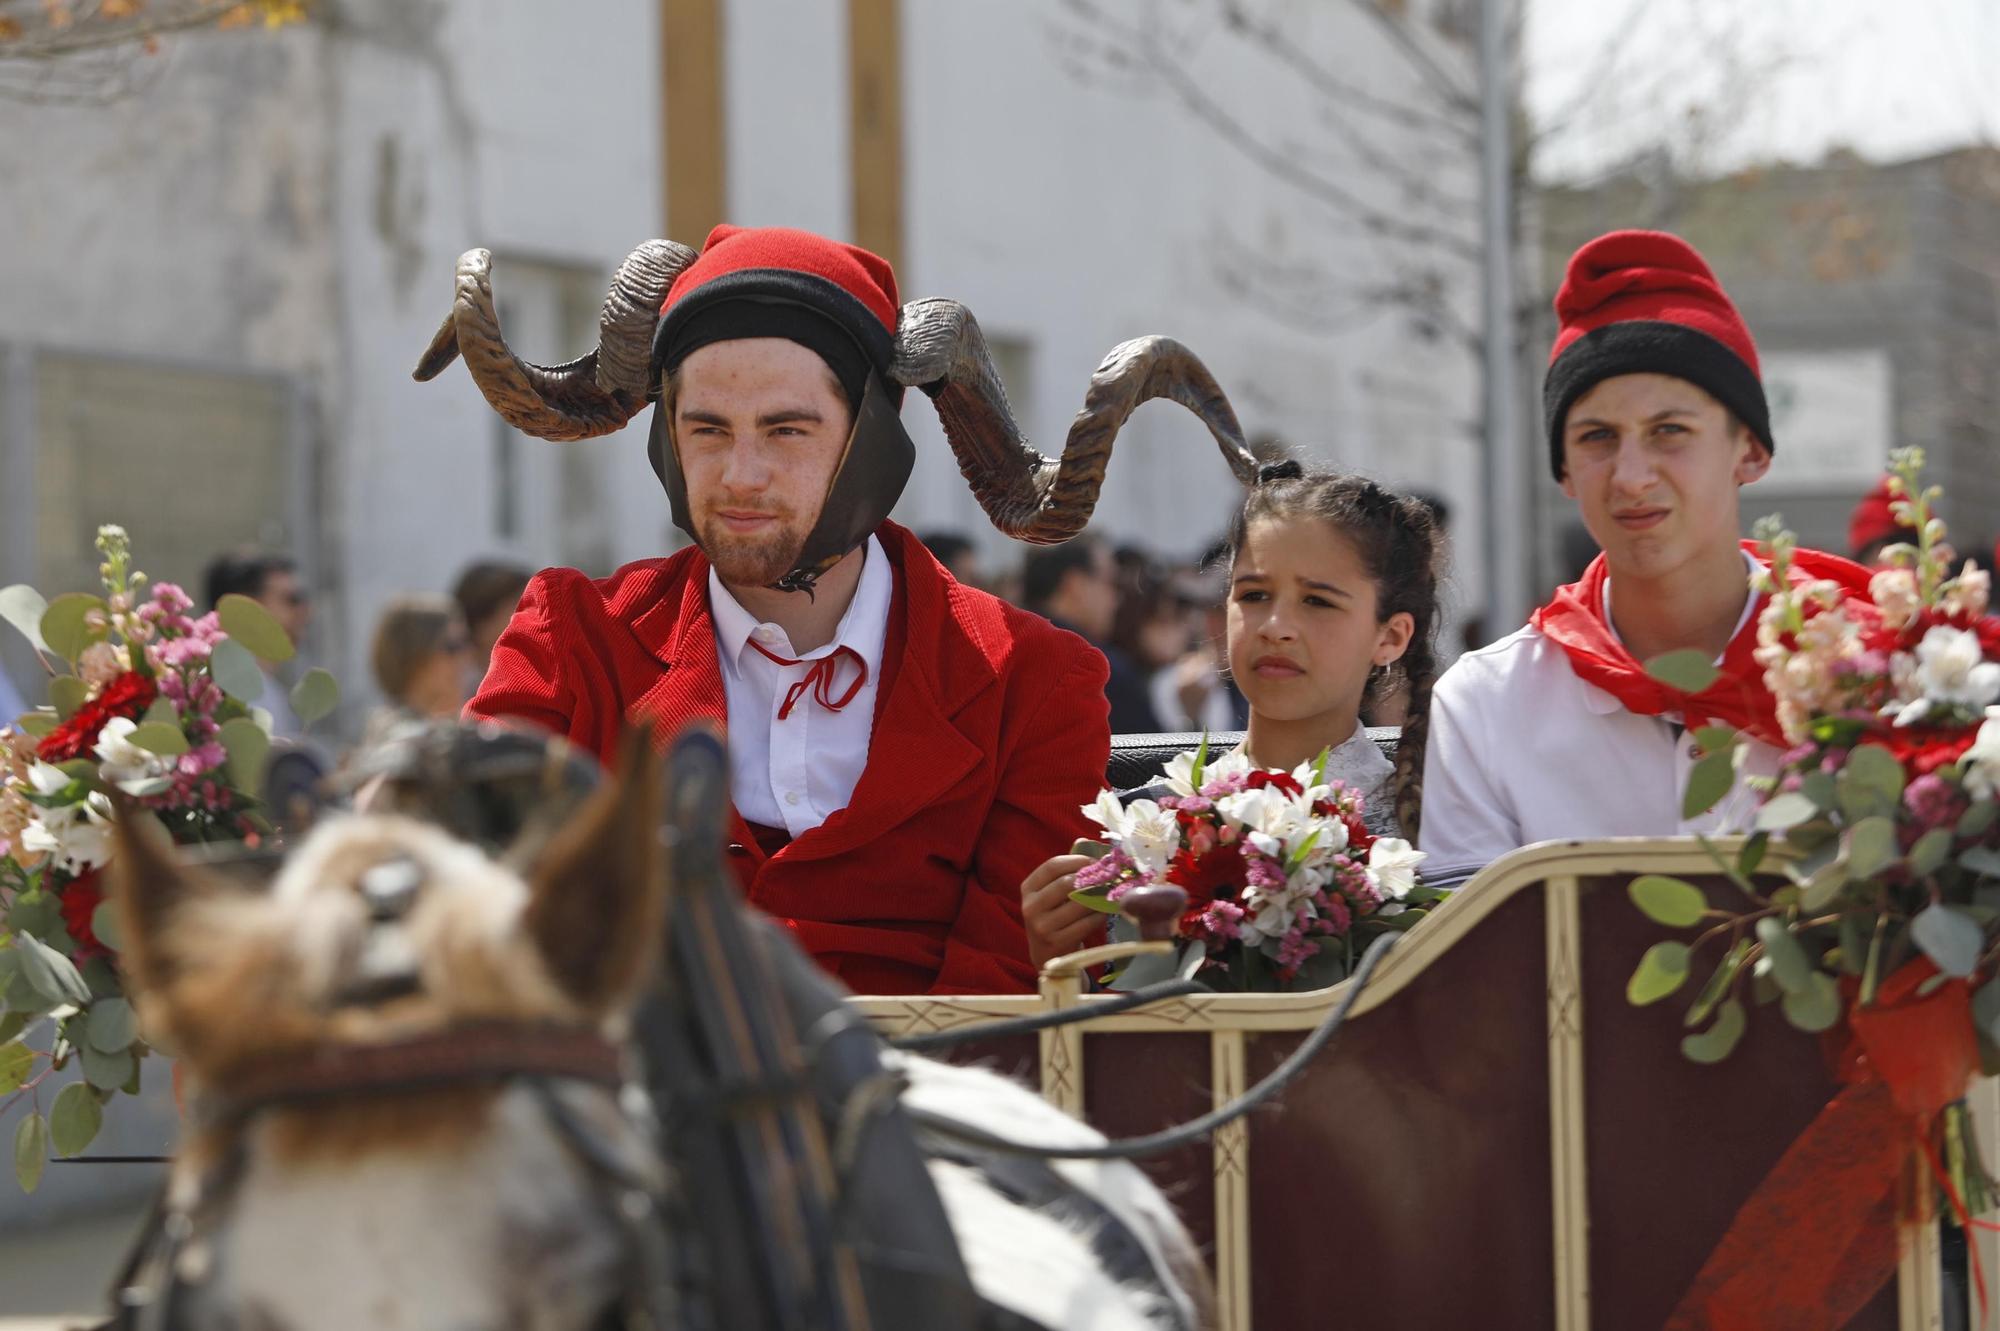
(16, 1062)
(247, 745)
(315, 696)
(1714, 1044)
(67, 692)
(236, 671)
(35, 913)
(1708, 781)
(1978, 820)
(1871, 847)
(107, 1071)
(1982, 860)
(64, 626)
(1854, 943)
(1986, 1010)
(1200, 767)
(1825, 884)
(102, 979)
(31, 1151)
(1714, 739)
(248, 622)
(1877, 769)
(23, 607)
(1952, 939)
(11, 1025)
(37, 723)
(159, 737)
(1790, 966)
(1815, 1007)
(1661, 971)
(1668, 901)
(1819, 787)
(104, 923)
(1095, 899)
(1751, 857)
(1933, 848)
(51, 974)
(111, 1025)
(164, 712)
(1689, 671)
(1785, 812)
(1718, 984)
(74, 1119)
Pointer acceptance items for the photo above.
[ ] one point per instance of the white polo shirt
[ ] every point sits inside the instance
(1521, 750)
(797, 772)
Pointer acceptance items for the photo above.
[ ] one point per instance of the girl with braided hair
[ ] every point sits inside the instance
(1332, 597)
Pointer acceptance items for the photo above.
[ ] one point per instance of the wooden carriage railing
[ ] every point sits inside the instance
(1497, 1138)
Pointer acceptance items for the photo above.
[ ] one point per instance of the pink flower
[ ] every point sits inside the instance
(1296, 949)
(170, 598)
(1933, 802)
(1221, 920)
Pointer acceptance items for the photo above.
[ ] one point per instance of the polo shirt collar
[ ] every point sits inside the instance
(1599, 703)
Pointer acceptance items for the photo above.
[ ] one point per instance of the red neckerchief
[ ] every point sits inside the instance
(819, 678)
(1574, 620)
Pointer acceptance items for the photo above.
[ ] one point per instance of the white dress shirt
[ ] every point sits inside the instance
(796, 772)
(1521, 750)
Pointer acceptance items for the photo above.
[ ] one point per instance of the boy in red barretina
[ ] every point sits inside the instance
(904, 748)
(1656, 415)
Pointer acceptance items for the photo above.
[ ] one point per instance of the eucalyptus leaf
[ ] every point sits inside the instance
(248, 622)
(1877, 769)
(1663, 970)
(1790, 966)
(1689, 671)
(1816, 1007)
(17, 1061)
(1714, 739)
(236, 671)
(51, 973)
(1715, 1044)
(74, 1119)
(1986, 1010)
(1786, 811)
(37, 723)
(23, 607)
(1978, 820)
(1854, 943)
(1751, 857)
(1952, 939)
(1824, 886)
(67, 692)
(1708, 781)
(1718, 984)
(1819, 787)
(1933, 848)
(164, 712)
(31, 1151)
(1668, 901)
(11, 1025)
(66, 626)
(247, 745)
(1871, 847)
(315, 696)
(36, 913)
(159, 737)
(110, 1025)
(104, 924)
(1982, 860)
(106, 1071)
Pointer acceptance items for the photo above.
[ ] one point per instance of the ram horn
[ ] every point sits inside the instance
(940, 349)
(593, 395)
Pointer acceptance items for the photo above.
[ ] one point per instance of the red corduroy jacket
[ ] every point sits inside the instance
(990, 735)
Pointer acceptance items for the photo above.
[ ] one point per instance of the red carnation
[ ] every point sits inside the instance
(1284, 782)
(79, 900)
(128, 696)
(1924, 749)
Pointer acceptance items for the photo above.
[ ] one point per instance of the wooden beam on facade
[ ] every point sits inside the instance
(693, 139)
(875, 124)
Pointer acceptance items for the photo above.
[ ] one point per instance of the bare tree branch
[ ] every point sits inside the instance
(1454, 94)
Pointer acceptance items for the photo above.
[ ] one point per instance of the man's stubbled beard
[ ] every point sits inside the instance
(751, 561)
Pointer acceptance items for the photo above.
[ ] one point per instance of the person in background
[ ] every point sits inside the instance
(423, 663)
(271, 580)
(1152, 629)
(1873, 525)
(12, 704)
(1196, 694)
(1075, 586)
(959, 556)
(487, 592)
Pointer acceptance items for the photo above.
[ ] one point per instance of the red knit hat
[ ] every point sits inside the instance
(1644, 302)
(1874, 521)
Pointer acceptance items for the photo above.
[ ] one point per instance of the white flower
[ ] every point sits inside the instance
(1151, 837)
(121, 761)
(1107, 813)
(47, 780)
(77, 836)
(1968, 593)
(1392, 866)
(1180, 774)
(1951, 668)
(1982, 760)
(1894, 591)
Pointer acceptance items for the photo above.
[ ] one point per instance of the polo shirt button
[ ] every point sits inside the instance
(791, 797)
(1694, 751)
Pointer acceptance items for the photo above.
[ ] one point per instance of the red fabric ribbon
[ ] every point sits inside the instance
(819, 679)
(1575, 621)
(1813, 1244)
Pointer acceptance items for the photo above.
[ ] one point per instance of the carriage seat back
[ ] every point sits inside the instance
(1138, 760)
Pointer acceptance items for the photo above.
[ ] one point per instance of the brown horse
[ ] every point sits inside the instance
(375, 1159)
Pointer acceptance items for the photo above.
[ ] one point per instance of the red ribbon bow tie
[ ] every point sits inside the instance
(819, 678)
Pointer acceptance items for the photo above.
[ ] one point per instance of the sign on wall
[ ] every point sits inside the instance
(1832, 413)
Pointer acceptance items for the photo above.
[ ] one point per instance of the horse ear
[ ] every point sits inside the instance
(597, 891)
(149, 883)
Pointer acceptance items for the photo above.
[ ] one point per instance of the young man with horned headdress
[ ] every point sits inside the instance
(1656, 416)
(905, 748)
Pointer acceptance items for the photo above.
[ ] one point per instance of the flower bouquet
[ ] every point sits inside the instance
(1883, 935)
(1284, 884)
(156, 704)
